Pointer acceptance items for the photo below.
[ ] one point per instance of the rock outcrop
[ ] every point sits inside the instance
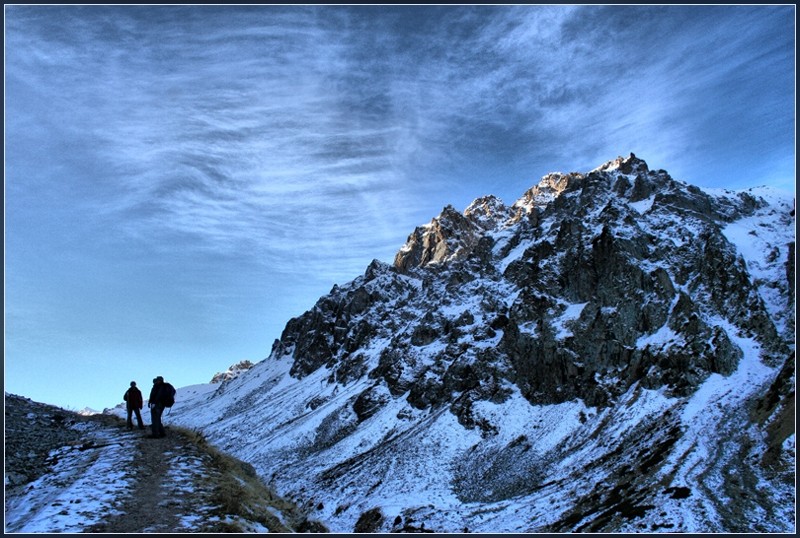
(232, 372)
(32, 430)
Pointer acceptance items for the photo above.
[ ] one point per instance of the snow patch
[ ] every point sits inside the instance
(571, 313)
(643, 206)
(85, 485)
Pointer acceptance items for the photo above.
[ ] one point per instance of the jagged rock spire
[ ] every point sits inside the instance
(625, 165)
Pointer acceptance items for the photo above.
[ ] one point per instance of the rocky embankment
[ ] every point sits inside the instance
(32, 430)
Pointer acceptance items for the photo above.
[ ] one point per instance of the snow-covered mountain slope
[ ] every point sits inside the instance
(613, 352)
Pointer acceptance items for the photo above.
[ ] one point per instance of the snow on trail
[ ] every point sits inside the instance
(117, 481)
(88, 483)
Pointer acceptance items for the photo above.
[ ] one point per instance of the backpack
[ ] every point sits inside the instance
(169, 395)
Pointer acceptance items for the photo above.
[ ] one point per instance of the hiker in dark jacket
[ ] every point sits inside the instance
(133, 400)
(161, 396)
(157, 407)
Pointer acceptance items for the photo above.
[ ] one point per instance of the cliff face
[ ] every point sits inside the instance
(585, 286)
(568, 357)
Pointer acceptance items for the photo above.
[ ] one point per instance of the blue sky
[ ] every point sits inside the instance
(181, 181)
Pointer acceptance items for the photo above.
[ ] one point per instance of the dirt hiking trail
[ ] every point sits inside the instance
(95, 475)
(157, 502)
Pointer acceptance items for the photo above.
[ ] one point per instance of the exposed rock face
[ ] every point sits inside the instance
(586, 285)
(449, 236)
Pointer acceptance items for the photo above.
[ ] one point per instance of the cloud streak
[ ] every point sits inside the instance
(226, 136)
(255, 130)
(201, 115)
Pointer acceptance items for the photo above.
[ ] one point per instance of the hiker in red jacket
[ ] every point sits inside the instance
(133, 398)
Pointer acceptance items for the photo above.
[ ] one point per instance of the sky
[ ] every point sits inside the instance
(181, 181)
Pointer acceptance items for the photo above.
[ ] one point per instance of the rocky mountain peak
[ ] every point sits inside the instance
(613, 274)
(547, 190)
(487, 212)
(617, 325)
(625, 165)
(453, 235)
(449, 236)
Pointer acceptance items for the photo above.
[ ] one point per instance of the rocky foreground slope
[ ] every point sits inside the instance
(66, 472)
(613, 352)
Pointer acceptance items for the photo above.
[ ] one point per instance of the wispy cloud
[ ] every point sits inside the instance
(236, 136)
(260, 130)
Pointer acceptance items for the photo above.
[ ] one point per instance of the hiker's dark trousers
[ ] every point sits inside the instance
(155, 414)
(132, 410)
